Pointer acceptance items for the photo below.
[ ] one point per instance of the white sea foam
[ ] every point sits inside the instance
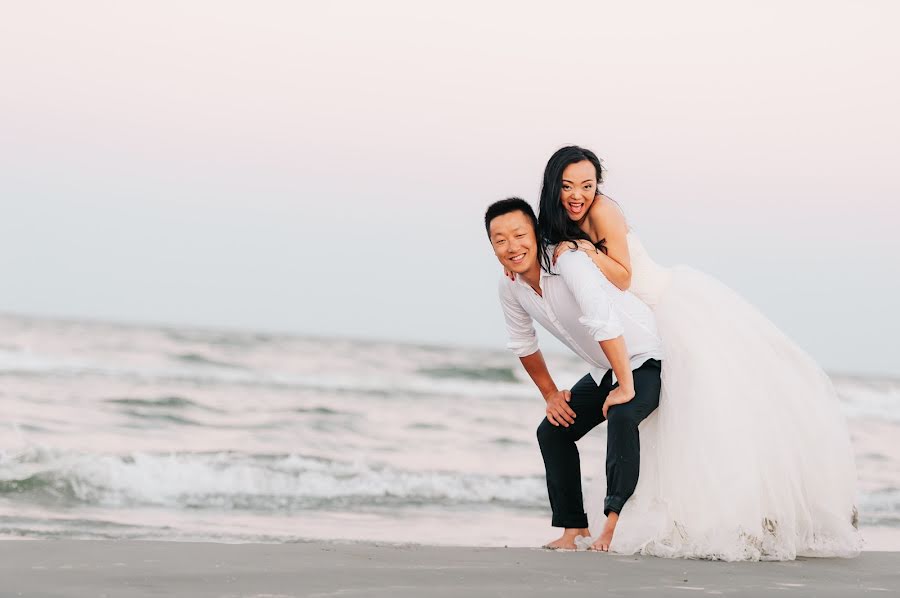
(875, 399)
(228, 480)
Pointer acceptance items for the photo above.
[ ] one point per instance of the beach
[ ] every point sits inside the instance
(131, 569)
(144, 460)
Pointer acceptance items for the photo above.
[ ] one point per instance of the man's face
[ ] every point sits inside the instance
(514, 241)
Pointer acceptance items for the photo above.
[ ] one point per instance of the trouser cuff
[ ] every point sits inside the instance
(570, 520)
(613, 504)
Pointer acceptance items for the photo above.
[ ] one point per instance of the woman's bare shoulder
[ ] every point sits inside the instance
(605, 214)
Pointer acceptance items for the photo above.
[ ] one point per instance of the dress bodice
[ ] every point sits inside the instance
(648, 279)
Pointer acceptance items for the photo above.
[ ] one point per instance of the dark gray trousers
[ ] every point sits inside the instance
(623, 444)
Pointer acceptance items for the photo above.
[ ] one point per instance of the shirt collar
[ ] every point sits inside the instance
(544, 274)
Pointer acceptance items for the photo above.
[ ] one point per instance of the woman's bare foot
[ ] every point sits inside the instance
(602, 543)
(567, 540)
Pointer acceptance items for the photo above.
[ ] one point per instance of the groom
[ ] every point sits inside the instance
(613, 331)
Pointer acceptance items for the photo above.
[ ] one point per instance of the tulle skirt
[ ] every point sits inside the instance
(748, 456)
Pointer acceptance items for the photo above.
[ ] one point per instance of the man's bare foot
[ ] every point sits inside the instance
(567, 540)
(602, 543)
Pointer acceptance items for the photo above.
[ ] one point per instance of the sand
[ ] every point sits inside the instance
(131, 568)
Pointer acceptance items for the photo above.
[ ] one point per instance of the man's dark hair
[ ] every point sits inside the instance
(505, 206)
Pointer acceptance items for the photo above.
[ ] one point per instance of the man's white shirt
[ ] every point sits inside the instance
(580, 307)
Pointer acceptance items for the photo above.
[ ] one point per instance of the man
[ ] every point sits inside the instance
(613, 331)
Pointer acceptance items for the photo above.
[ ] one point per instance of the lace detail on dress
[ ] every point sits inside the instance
(765, 544)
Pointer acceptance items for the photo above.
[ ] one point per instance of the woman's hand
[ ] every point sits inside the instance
(509, 275)
(575, 245)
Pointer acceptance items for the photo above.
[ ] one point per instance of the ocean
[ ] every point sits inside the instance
(176, 433)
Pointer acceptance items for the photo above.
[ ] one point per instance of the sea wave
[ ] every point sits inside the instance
(275, 428)
(494, 374)
(881, 507)
(228, 480)
(438, 383)
(169, 402)
(872, 399)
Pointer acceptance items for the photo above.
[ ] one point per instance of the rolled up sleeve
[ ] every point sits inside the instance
(523, 339)
(585, 281)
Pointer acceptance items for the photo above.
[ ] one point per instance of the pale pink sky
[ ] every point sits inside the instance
(324, 169)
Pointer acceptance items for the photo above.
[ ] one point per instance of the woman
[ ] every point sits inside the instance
(748, 456)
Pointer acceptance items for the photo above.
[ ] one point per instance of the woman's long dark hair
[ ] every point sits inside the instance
(554, 224)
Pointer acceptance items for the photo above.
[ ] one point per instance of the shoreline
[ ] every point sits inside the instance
(129, 568)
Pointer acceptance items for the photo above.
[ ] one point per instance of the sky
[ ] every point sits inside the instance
(324, 169)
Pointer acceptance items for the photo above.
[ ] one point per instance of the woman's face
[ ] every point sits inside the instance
(579, 187)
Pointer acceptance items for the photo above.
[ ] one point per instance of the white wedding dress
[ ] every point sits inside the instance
(748, 456)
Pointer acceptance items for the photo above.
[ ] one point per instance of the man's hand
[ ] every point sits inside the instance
(618, 396)
(558, 411)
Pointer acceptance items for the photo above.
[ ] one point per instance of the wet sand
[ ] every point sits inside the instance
(132, 568)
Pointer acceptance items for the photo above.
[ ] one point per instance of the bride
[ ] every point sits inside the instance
(748, 456)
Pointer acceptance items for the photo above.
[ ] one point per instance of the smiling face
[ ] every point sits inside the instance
(579, 188)
(515, 245)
